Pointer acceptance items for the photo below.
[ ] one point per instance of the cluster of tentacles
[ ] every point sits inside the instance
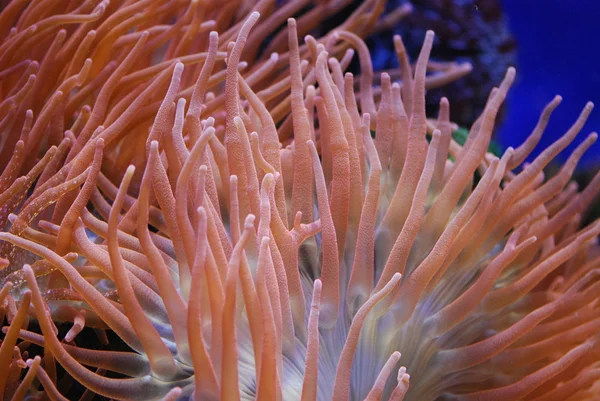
(264, 226)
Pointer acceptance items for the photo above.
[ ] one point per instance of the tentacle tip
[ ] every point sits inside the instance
(27, 270)
(253, 17)
(366, 119)
(249, 222)
(264, 241)
(30, 361)
(130, 170)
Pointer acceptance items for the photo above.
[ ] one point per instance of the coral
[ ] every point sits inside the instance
(230, 217)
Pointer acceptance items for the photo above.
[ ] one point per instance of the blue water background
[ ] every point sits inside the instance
(558, 53)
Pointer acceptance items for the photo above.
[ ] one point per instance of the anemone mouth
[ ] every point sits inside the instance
(271, 227)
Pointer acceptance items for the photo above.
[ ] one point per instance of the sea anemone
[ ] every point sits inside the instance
(265, 229)
(476, 31)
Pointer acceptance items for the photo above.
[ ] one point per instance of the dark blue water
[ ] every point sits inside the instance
(558, 53)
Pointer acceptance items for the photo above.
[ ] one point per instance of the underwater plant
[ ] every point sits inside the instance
(262, 225)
